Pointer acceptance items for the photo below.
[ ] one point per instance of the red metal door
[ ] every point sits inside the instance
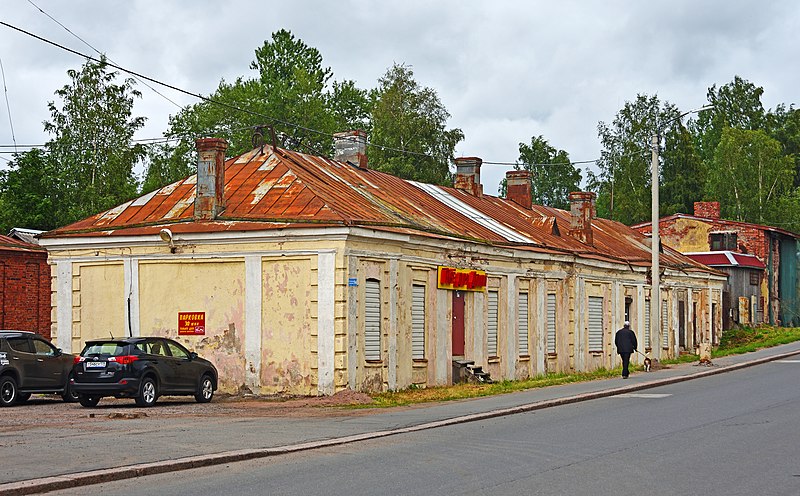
(458, 324)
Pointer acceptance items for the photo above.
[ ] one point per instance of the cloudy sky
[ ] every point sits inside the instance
(505, 70)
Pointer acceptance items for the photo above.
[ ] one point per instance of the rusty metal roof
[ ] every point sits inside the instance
(11, 244)
(282, 188)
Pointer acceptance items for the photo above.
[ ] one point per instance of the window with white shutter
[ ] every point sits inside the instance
(664, 325)
(595, 323)
(491, 324)
(551, 323)
(418, 322)
(372, 320)
(522, 321)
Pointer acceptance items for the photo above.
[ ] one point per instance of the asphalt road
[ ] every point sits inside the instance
(728, 434)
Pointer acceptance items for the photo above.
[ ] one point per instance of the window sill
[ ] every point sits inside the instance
(374, 362)
(494, 359)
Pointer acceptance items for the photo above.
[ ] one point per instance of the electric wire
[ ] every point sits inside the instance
(8, 107)
(100, 53)
(235, 108)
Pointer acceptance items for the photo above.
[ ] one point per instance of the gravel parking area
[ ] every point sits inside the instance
(52, 411)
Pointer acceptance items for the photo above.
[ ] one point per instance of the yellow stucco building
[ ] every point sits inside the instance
(305, 275)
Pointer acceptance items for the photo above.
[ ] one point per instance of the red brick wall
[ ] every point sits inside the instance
(25, 291)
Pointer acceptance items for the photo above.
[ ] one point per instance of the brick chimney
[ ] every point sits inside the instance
(209, 199)
(351, 146)
(707, 210)
(582, 210)
(518, 187)
(468, 175)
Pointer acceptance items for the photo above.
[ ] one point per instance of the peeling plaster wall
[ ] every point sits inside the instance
(214, 287)
(287, 334)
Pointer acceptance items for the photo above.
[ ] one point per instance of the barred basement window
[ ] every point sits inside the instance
(522, 321)
(595, 323)
(551, 323)
(372, 320)
(418, 322)
(491, 324)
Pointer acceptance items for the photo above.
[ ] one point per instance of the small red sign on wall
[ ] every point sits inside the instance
(191, 323)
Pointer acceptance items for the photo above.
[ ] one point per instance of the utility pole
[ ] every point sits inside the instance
(655, 242)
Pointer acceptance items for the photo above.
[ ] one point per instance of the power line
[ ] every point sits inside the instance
(233, 107)
(98, 51)
(8, 107)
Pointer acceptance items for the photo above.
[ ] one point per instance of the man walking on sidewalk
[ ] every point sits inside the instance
(626, 345)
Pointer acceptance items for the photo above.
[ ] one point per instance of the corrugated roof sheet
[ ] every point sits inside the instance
(11, 244)
(727, 259)
(281, 188)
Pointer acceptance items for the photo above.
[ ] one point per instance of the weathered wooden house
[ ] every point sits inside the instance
(301, 274)
(761, 262)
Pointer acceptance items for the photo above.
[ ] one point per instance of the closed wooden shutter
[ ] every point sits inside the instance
(647, 323)
(595, 323)
(664, 325)
(418, 321)
(551, 323)
(372, 320)
(522, 320)
(491, 324)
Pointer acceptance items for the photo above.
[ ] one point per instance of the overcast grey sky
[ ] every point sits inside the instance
(505, 70)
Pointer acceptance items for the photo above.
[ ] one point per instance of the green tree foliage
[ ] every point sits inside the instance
(553, 177)
(783, 124)
(87, 166)
(681, 172)
(408, 117)
(92, 147)
(623, 181)
(290, 90)
(750, 176)
(30, 197)
(736, 104)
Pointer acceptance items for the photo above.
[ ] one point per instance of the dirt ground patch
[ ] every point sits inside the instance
(51, 411)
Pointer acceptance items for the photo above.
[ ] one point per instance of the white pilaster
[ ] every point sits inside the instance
(511, 327)
(64, 305)
(131, 281)
(326, 298)
(252, 322)
(393, 303)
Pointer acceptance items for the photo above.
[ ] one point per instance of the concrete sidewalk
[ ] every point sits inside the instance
(44, 458)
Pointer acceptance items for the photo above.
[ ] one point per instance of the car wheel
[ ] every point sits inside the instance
(148, 392)
(88, 400)
(8, 391)
(206, 390)
(69, 395)
(23, 397)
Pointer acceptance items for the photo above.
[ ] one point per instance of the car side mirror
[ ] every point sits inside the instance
(59, 352)
(192, 355)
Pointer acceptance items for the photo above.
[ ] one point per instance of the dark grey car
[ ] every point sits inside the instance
(31, 364)
(142, 368)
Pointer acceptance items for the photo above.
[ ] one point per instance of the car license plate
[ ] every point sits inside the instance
(95, 365)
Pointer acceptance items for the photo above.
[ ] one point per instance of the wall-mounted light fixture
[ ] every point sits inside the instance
(167, 237)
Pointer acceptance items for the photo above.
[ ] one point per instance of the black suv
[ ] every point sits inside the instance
(141, 368)
(30, 364)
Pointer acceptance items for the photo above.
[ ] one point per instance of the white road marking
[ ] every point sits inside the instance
(642, 395)
(787, 361)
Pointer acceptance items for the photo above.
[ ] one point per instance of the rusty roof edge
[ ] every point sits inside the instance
(59, 232)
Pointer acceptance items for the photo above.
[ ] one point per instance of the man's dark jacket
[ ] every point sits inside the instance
(625, 340)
